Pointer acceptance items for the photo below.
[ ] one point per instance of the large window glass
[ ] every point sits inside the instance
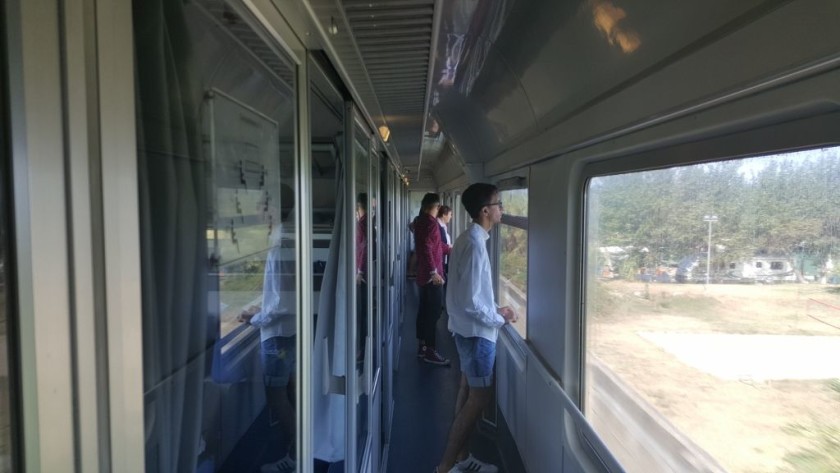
(712, 315)
(513, 256)
(330, 291)
(216, 158)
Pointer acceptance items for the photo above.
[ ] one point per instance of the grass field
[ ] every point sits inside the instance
(749, 424)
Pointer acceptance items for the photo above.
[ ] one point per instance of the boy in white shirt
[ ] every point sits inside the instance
(474, 321)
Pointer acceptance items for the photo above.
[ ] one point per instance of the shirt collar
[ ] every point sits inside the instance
(479, 230)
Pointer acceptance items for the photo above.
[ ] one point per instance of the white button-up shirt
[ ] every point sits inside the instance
(275, 319)
(469, 298)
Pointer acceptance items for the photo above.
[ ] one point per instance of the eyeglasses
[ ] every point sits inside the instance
(499, 203)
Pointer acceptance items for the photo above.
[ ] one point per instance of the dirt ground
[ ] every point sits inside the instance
(748, 425)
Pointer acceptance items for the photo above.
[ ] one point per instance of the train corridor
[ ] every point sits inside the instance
(424, 398)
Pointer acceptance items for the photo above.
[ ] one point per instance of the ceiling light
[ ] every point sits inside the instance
(385, 133)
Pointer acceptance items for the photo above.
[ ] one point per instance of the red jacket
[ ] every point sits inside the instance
(361, 246)
(429, 247)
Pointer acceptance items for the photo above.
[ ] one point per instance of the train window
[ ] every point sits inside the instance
(216, 113)
(513, 256)
(712, 314)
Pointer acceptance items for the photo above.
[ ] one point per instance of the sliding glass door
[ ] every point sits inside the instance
(217, 111)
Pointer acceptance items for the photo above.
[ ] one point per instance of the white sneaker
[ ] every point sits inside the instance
(474, 464)
(283, 465)
(453, 470)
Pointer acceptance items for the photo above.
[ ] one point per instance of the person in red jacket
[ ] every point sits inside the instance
(361, 275)
(430, 250)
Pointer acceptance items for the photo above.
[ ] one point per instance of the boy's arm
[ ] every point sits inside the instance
(482, 310)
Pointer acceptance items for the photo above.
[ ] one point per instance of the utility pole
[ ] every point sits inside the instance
(710, 219)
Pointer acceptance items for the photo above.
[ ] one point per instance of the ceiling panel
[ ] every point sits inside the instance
(394, 38)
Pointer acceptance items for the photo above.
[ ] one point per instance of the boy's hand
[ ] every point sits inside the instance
(508, 314)
(248, 314)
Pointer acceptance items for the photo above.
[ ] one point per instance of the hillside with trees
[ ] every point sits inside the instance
(786, 205)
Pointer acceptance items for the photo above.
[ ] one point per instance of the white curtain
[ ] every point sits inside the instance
(174, 256)
(329, 358)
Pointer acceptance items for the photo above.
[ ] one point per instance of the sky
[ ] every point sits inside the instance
(752, 166)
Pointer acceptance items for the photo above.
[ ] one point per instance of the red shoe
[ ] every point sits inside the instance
(432, 356)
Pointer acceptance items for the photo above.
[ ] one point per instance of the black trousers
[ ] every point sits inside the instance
(428, 313)
(361, 318)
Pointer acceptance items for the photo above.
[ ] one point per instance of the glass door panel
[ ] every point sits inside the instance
(363, 240)
(329, 291)
(216, 160)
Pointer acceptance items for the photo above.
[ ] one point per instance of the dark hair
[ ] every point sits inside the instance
(362, 199)
(476, 196)
(429, 200)
(443, 210)
(287, 201)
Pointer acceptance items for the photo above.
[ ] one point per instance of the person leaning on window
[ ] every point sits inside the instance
(474, 320)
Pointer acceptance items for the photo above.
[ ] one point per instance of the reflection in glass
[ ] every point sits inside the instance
(330, 287)
(362, 233)
(252, 246)
(608, 19)
(6, 327)
(376, 266)
(217, 189)
(740, 373)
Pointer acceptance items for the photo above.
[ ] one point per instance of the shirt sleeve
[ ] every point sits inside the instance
(361, 246)
(478, 305)
(272, 307)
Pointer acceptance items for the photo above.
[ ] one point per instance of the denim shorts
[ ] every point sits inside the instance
(278, 361)
(478, 355)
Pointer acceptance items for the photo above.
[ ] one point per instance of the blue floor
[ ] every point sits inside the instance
(424, 398)
(424, 405)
